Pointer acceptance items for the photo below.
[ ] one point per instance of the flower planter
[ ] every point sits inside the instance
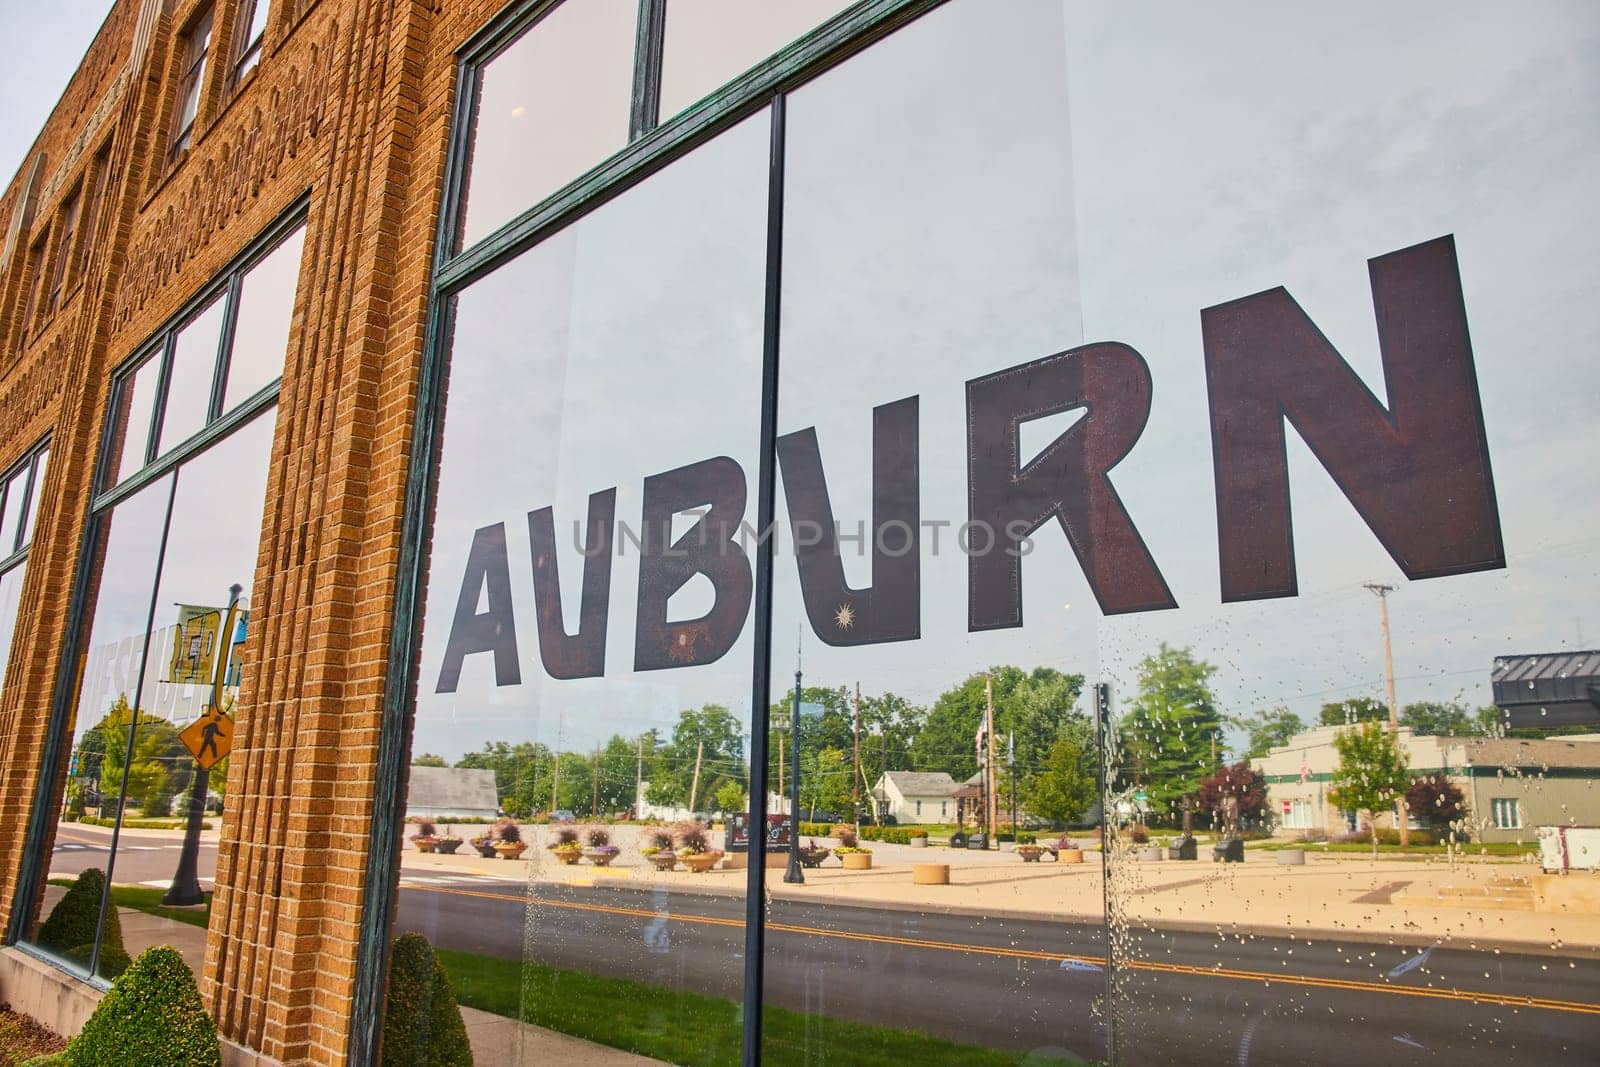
(509, 850)
(568, 856)
(664, 860)
(1150, 853)
(1292, 857)
(447, 845)
(1030, 853)
(700, 862)
(857, 861)
(812, 858)
(485, 848)
(1070, 855)
(919, 842)
(602, 855)
(424, 844)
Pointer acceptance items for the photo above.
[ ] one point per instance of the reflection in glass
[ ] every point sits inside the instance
(10, 598)
(35, 493)
(194, 361)
(708, 42)
(109, 693)
(16, 487)
(261, 329)
(158, 638)
(589, 391)
(136, 405)
(887, 316)
(549, 107)
(1335, 172)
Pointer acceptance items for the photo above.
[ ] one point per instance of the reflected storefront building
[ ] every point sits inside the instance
(980, 533)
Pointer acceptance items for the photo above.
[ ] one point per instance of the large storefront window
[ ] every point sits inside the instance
(583, 664)
(1180, 481)
(160, 655)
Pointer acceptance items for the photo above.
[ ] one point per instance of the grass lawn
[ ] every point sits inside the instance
(690, 1028)
(148, 899)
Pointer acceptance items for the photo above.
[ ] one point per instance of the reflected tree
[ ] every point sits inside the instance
(1171, 733)
(1372, 771)
(1356, 709)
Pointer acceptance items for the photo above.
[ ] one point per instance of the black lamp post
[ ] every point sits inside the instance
(793, 875)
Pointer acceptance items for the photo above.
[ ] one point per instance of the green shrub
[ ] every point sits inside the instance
(71, 923)
(816, 829)
(422, 1025)
(1027, 839)
(152, 1017)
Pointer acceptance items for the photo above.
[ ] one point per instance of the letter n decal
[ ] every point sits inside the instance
(1416, 470)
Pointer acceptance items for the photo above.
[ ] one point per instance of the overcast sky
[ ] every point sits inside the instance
(34, 75)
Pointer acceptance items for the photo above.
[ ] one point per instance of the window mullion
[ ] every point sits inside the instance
(646, 110)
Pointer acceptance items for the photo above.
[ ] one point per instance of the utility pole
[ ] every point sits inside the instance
(1011, 766)
(638, 780)
(555, 781)
(993, 808)
(855, 779)
(781, 793)
(694, 788)
(1382, 591)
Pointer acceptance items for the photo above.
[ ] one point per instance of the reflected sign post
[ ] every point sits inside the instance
(210, 743)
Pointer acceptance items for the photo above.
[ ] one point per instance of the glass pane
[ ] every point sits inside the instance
(266, 307)
(40, 464)
(196, 642)
(1357, 467)
(10, 599)
(588, 407)
(929, 293)
(16, 488)
(194, 364)
(550, 106)
(131, 427)
(709, 42)
(113, 675)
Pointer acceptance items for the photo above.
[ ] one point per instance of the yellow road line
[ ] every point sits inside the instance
(1348, 984)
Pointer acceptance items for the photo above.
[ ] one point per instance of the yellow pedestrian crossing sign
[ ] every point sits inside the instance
(209, 738)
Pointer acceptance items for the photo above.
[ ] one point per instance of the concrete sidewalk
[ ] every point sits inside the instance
(1340, 896)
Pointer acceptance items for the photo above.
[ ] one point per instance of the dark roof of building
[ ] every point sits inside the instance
(1548, 688)
(1545, 676)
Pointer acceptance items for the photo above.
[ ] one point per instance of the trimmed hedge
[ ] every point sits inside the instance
(422, 1025)
(893, 835)
(69, 929)
(152, 1017)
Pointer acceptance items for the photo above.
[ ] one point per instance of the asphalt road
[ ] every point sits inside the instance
(140, 858)
(1182, 997)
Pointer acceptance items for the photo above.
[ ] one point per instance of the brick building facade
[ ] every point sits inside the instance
(259, 241)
